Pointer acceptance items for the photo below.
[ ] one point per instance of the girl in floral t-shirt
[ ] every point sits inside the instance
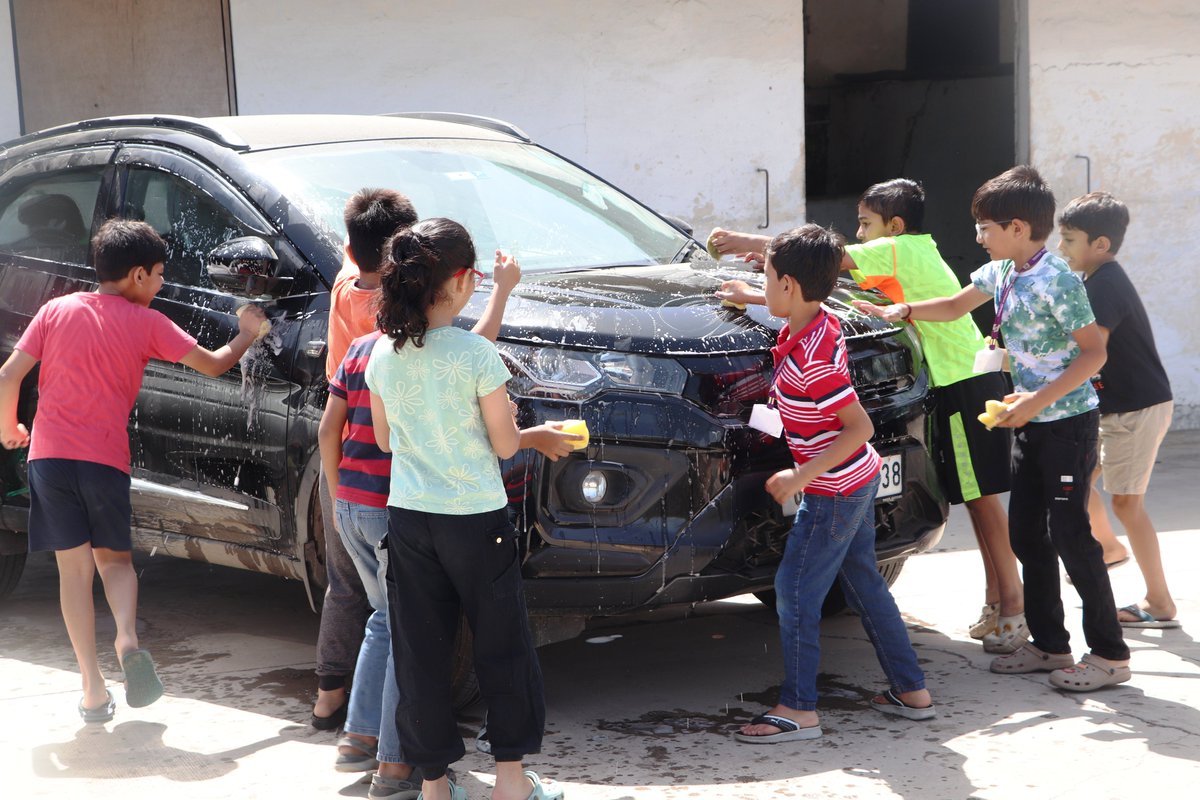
(439, 404)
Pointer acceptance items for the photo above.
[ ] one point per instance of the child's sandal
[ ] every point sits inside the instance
(986, 623)
(1009, 635)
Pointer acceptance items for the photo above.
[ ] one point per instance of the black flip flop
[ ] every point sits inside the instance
(101, 713)
(789, 731)
(142, 686)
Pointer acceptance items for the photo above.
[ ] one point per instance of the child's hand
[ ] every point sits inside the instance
(889, 313)
(1022, 408)
(506, 273)
(787, 483)
(729, 242)
(756, 260)
(739, 292)
(15, 438)
(551, 440)
(253, 321)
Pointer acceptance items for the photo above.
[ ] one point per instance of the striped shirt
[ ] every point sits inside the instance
(365, 471)
(812, 382)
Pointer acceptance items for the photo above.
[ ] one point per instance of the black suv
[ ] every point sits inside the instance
(613, 321)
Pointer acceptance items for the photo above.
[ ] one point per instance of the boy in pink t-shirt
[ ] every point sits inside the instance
(94, 347)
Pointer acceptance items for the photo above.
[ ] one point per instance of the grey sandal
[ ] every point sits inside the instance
(362, 761)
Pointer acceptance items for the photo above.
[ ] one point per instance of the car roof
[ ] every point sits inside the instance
(270, 131)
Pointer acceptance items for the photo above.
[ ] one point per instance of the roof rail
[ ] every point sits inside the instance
(498, 125)
(193, 125)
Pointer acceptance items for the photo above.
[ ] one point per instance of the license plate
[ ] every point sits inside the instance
(891, 483)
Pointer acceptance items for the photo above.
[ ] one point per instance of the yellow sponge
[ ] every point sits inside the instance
(263, 329)
(711, 247)
(988, 417)
(731, 304)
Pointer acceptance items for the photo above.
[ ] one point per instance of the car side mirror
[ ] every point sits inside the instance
(245, 266)
(678, 224)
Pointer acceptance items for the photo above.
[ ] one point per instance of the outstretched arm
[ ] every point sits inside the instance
(217, 362)
(941, 309)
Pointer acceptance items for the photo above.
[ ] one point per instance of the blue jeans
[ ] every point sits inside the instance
(834, 537)
(374, 694)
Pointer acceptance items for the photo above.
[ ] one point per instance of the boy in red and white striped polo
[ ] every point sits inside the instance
(828, 432)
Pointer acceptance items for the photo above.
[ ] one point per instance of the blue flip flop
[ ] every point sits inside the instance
(1144, 619)
(142, 686)
(101, 713)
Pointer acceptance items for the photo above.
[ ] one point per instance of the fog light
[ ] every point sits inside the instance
(593, 486)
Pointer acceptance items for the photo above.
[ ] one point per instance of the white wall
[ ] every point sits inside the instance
(10, 112)
(1117, 81)
(676, 102)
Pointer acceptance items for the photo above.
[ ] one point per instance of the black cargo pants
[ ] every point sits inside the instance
(1047, 520)
(439, 564)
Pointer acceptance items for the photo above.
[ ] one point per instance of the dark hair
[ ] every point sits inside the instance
(1097, 214)
(1020, 193)
(122, 244)
(899, 197)
(417, 263)
(811, 255)
(373, 215)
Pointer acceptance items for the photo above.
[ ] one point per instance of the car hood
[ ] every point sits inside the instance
(668, 310)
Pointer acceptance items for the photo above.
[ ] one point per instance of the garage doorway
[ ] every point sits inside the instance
(78, 59)
(921, 89)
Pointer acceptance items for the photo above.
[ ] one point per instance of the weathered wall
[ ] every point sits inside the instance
(678, 103)
(10, 116)
(1117, 82)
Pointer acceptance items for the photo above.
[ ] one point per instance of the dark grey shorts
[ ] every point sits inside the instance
(76, 502)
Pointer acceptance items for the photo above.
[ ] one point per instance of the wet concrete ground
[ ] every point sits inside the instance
(643, 710)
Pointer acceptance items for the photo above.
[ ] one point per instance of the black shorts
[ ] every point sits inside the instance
(77, 502)
(971, 460)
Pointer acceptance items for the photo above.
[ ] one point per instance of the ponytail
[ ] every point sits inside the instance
(417, 263)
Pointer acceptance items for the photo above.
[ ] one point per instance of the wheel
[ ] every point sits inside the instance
(314, 550)
(11, 567)
(835, 601)
(464, 686)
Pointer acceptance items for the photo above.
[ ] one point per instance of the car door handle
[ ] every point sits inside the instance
(315, 348)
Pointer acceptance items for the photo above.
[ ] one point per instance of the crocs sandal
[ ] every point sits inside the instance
(789, 731)
(459, 793)
(1009, 635)
(362, 761)
(101, 713)
(1028, 658)
(986, 623)
(894, 705)
(1144, 619)
(540, 790)
(142, 686)
(1091, 673)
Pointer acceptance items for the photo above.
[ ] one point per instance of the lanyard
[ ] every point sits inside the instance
(1004, 295)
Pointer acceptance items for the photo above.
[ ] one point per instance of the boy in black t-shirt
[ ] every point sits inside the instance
(1135, 397)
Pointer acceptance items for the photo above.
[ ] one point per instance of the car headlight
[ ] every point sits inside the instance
(579, 375)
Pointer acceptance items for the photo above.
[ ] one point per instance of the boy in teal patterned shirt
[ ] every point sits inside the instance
(1054, 347)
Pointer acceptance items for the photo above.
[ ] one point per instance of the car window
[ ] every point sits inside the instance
(519, 198)
(190, 220)
(50, 216)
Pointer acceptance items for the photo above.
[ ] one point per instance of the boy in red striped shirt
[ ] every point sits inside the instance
(828, 433)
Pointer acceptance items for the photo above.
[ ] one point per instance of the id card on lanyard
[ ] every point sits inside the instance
(993, 358)
(766, 417)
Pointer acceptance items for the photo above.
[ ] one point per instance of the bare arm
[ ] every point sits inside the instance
(505, 275)
(857, 429)
(329, 438)
(549, 439)
(217, 362)
(12, 433)
(732, 242)
(380, 424)
(941, 309)
(741, 292)
(501, 427)
(1024, 406)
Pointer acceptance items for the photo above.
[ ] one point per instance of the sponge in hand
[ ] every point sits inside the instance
(988, 417)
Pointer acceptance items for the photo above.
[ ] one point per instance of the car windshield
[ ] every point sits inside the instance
(515, 197)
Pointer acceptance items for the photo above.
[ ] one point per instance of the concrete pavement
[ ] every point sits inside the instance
(638, 709)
